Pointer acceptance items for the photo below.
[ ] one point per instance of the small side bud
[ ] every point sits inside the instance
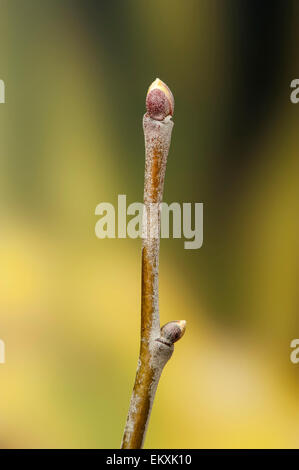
(159, 101)
(173, 331)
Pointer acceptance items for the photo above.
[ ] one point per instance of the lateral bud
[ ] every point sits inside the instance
(172, 331)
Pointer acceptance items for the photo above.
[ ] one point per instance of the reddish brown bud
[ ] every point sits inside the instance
(159, 101)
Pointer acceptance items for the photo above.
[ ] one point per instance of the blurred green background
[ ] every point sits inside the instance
(76, 76)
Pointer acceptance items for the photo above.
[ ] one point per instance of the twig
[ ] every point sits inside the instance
(156, 346)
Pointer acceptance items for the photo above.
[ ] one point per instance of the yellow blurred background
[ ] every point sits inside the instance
(76, 75)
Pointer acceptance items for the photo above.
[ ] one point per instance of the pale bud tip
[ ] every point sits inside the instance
(182, 324)
(159, 101)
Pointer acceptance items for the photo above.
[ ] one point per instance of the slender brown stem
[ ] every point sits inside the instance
(156, 346)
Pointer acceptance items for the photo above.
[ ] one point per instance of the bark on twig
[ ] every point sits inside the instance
(156, 345)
